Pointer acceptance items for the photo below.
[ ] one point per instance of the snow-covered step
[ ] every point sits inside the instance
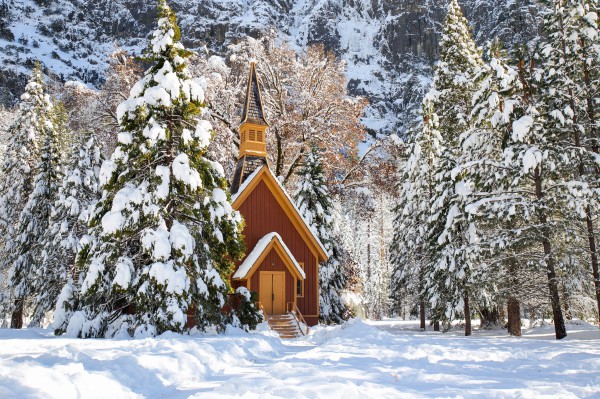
(285, 325)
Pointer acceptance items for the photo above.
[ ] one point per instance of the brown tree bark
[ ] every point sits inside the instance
(490, 316)
(557, 315)
(594, 253)
(16, 320)
(436, 326)
(422, 313)
(591, 111)
(468, 329)
(513, 311)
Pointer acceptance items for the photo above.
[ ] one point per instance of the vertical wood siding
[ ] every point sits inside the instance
(264, 215)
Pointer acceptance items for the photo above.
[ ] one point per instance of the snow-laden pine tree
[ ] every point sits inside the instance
(410, 249)
(571, 61)
(449, 272)
(532, 191)
(77, 197)
(313, 201)
(505, 255)
(26, 272)
(18, 171)
(166, 233)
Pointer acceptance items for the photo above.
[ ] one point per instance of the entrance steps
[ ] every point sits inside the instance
(285, 325)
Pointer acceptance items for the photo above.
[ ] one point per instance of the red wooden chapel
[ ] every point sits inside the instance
(283, 255)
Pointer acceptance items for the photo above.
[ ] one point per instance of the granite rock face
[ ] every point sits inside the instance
(389, 45)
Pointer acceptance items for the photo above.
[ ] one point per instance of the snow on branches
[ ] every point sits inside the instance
(164, 230)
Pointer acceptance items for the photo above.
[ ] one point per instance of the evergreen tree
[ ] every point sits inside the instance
(571, 61)
(27, 270)
(77, 197)
(5, 31)
(506, 264)
(165, 229)
(312, 199)
(449, 273)
(19, 169)
(533, 193)
(410, 249)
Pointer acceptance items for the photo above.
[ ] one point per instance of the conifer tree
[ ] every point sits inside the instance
(77, 197)
(165, 229)
(530, 187)
(19, 169)
(449, 274)
(504, 253)
(312, 199)
(571, 61)
(410, 249)
(26, 272)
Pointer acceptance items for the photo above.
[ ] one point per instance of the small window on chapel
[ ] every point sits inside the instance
(259, 136)
(243, 136)
(300, 284)
(252, 135)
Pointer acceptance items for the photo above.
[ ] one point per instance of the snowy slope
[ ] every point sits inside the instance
(389, 46)
(356, 360)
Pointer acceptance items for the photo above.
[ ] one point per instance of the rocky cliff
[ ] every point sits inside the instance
(389, 45)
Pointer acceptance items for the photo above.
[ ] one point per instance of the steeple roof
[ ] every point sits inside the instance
(253, 111)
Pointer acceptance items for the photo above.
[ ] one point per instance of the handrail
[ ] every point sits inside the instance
(298, 317)
(260, 306)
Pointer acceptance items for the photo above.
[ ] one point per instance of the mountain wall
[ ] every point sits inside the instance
(389, 45)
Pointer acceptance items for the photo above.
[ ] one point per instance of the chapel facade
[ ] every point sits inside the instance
(283, 255)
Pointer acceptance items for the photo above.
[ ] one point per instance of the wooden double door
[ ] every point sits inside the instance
(272, 292)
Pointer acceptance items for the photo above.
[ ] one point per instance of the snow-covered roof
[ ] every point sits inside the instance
(253, 176)
(259, 249)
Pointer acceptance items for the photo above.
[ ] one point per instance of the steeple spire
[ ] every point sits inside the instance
(253, 141)
(253, 125)
(253, 109)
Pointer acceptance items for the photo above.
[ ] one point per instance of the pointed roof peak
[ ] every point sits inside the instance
(253, 111)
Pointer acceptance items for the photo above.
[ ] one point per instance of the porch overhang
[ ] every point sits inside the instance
(260, 252)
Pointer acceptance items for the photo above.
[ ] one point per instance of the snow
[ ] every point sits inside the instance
(183, 172)
(203, 133)
(259, 248)
(521, 127)
(531, 159)
(161, 40)
(106, 171)
(162, 190)
(181, 239)
(124, 199)
(174, 278)
(157, 96)
(386, 359)
(123, 268)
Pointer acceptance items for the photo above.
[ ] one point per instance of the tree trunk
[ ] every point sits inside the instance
(594, 254)
(436, 326)
(557, 315)
(490, 317)
(513, 311)
(468, 329)
(422, 313)
(279, 160)
(591, 111)
(16, 320)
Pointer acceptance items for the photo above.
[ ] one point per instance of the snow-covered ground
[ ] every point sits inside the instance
(387, 359)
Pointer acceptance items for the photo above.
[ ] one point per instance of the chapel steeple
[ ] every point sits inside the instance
(253, 124)
(253, 141)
